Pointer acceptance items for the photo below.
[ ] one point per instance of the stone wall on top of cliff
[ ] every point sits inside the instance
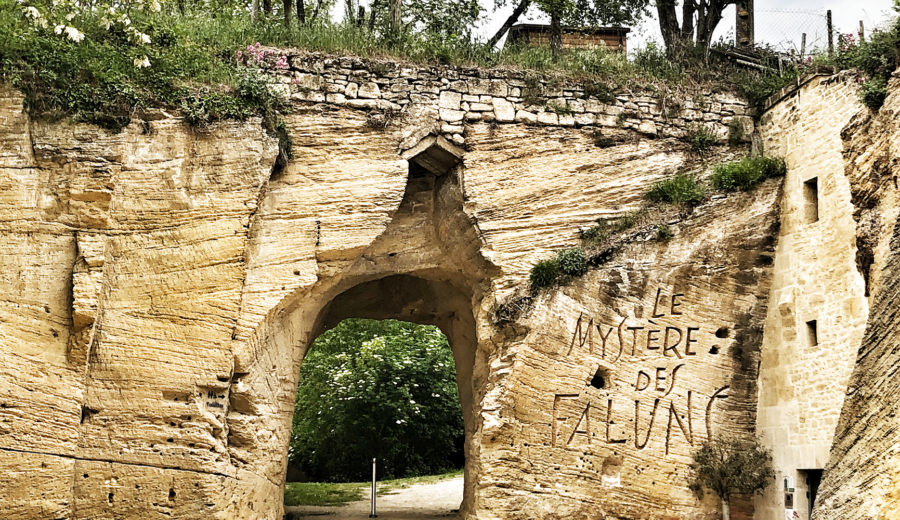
(447, 100)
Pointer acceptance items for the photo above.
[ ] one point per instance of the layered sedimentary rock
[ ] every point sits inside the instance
(164, 284)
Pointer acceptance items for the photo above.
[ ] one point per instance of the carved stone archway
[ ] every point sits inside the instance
(425, 267)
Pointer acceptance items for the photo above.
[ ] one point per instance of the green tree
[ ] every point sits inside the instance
(731, 466)
(377, 389)
(699, 19)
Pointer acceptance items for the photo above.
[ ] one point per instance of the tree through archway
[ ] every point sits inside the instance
(377, 389)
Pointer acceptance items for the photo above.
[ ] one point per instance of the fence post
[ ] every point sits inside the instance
(802, 46)
(862, 32)
(372, 514)
(830, 33)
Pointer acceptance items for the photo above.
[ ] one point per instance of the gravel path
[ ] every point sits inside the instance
(419, 501)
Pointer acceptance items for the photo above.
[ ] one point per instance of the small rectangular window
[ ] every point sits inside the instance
(811, 200)
(812, 334)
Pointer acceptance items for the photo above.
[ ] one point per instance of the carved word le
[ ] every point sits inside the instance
(684, 422)
(675, 303)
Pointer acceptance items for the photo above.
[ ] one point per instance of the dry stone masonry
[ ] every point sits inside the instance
(162, 286)
(464, 96)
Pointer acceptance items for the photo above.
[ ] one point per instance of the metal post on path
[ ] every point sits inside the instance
(372, 514)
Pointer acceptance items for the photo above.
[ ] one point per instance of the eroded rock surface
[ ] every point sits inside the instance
(163, 285)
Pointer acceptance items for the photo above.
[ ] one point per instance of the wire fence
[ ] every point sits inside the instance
(783, 31)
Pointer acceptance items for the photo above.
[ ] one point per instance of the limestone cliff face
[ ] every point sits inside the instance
(162, 287)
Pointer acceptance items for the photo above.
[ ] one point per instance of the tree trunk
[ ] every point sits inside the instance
(316, 11)
(707, 24)
(267, 7)
(301, 12)
(687, 19)
(513, 18)
(395, 16)
(372, 10)
(287, 4)
(726, 509)
(254, 11)
(668, 25)
(555, 36)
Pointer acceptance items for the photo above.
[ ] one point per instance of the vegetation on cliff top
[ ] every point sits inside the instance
(106, 61)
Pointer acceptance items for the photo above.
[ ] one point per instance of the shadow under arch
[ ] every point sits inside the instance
(425, 302)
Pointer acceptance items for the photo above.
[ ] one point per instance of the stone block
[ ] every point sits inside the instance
(352, 90)
(337, 99)
(369, 91)
(313, 96)
(451, 116)
(523, 116)
(584, 119)
(647, 128)
(547, 118)
(449, 100)
(504, 111)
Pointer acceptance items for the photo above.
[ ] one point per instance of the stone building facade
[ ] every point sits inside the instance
(817, 306)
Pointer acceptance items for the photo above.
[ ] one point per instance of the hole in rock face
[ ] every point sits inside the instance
(722, 333)
(714, 350)
(599, 379)
(171, 494)
(109, 498)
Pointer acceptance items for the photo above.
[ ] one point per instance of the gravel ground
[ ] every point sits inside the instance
(419, 501)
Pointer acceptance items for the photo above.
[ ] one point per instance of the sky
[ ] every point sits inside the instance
(778, 22)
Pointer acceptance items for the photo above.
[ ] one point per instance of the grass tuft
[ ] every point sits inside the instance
(678, 189)
(701, 139)
(559, 108)
(543, 274)
(746, 174)
(664, 233)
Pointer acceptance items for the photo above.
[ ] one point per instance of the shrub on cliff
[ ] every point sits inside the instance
(543, 274)
(731, 466)
(572, 262)
(746, 174)
(377, 389)
(681, 188)
(877, 58)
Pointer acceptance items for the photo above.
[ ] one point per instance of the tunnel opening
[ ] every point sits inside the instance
(390, 317)
(382, 390)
